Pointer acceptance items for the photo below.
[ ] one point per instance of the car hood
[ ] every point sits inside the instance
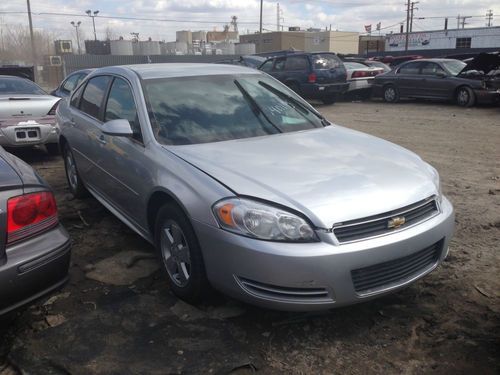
(15, 105)
(484, 62)
(331, 174)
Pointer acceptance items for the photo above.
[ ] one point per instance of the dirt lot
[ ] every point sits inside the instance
(447, 323)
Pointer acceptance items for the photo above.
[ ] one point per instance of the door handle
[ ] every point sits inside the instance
(102, 140)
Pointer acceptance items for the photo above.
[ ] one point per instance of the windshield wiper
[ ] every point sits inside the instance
(295, 103)
(255, 107)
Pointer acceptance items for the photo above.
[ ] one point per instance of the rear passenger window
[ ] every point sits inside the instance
(93, 95)
(297, 63)
(71, 83)
(280, 64)
(410, 68)
(121, 105)
(75, 99)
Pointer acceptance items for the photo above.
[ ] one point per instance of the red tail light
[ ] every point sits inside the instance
(311, 78)
(359, 74)
(29, 214)
(52, 111)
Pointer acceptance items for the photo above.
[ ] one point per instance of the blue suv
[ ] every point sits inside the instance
(316, 75)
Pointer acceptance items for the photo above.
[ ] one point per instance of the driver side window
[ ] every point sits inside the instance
(121, 105)
(431, 68)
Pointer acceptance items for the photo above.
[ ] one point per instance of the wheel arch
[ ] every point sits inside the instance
(157, 200)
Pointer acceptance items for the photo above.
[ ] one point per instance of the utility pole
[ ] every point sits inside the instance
(463, 21)
(489, 17)
(260, 27)
(93, 15)
(413, 3)
(33, 52)
(407, 24)
(77, 26)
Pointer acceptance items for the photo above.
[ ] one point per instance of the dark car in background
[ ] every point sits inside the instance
(319, 75)
(34, 247)
(70, 82)
(442, 79)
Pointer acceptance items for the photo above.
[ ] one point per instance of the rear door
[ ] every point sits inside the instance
(85, 126)
(328, 68)
(408, 79)
(296, 69)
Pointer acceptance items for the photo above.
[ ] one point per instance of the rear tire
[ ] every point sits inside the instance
(75, 183)
(180, 254)
(52, 149)
(328, 99)
(391, 94)
(465, 97)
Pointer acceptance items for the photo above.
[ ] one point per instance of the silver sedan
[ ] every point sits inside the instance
(27, 115)
(242, 185)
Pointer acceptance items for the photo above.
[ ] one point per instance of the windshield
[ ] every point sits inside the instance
(454, 66)
(325, 61)
(19, 86)
(203, 109)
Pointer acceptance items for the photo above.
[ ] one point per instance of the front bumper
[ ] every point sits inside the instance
(34, 267)
(313, 276)
(316, 90)
(487, 96)
(20, 132)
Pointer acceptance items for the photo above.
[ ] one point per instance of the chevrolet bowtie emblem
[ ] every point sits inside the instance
(396, 222)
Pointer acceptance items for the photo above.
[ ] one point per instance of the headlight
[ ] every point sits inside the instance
(258, 220)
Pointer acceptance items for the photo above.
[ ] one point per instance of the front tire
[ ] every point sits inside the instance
(75, 183)
(180, 254)
(328, 99)
(465, 97)
(391, 94)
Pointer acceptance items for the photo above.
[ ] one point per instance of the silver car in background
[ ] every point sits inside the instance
(27, 115)
(241, 184)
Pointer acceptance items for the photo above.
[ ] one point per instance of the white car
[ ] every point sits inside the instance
(360, 77)
(27, 115)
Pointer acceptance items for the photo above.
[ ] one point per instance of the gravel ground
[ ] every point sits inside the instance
(117, 314)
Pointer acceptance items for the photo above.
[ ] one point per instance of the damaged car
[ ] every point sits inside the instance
(242, 185)
(27, 115)
(441, 79)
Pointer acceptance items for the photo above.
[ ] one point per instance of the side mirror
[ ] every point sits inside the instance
(441, 74)
(119, 127)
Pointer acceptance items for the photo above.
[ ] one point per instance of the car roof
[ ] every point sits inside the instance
(174, 70)
(429, 60)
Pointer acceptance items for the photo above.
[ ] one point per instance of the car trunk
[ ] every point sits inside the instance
(16, 105)
(484, 67)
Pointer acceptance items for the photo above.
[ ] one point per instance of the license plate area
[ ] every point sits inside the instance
(27, 134)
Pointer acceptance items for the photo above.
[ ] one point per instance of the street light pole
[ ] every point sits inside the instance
(76, 26)
(93, 15)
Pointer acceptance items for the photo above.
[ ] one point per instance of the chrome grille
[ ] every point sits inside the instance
(377, 225)
(395, 272)
(281, 293)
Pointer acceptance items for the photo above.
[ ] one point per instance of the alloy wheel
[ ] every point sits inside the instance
(71, 172)
(175, 253)
(390, 94)
(463, 97)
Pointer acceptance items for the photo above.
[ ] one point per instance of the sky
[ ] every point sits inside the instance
(165, 17)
